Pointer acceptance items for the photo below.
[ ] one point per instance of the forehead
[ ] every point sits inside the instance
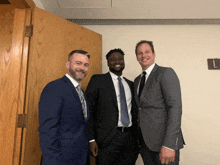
(116, 54)
(143, 46)
(80, 57)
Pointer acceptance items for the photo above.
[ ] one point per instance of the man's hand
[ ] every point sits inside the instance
(166, 155)
(94, 148)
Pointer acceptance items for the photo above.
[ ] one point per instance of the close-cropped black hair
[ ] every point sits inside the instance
(113, 51)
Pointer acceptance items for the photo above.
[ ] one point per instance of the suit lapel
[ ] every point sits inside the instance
(73, 89)
(69, 84)
(148, 82)
(136, 82)
(111, 88)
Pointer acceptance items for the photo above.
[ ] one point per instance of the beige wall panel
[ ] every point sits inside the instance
(84, 3)
(186, 49)
(53, 39)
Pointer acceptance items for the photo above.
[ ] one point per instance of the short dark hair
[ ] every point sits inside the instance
(144, 42)
(113, 51)
(78, 51)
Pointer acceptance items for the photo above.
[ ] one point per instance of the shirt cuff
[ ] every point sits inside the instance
(164, 147)
(92, 140)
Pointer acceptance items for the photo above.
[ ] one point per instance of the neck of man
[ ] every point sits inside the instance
(73, 77)
(117, 73)
(146, 67)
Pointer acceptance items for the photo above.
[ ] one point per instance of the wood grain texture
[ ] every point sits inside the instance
(7, 106)
(53, 39)
(22, 4)
(19, 146)
(11, 38)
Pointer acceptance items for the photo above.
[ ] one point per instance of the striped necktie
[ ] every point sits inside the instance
(82, 100)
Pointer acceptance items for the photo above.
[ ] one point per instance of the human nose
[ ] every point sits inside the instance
(144, 54)
(82, 67)
(117, 61)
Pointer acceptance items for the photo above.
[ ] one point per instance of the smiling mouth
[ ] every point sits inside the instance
(145, 59)
(80, 71)
(117, 66)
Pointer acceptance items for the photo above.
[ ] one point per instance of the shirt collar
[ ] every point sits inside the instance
(74, 82)
(114, 76)
(149, 69)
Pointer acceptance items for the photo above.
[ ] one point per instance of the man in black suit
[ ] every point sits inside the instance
(158, 96)
(113, 115)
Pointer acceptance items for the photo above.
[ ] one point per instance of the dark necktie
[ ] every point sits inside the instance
(142, 84)
(82, 100)
(124, 109)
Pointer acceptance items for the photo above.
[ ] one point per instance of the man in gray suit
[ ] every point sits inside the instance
(158, 96)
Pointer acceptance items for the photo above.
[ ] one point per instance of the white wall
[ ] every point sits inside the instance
(186, 49)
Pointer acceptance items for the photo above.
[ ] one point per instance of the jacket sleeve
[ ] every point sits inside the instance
(172, 95)
(50, 106)
(92, 96)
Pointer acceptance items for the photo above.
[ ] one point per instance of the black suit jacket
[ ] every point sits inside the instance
(103, 108)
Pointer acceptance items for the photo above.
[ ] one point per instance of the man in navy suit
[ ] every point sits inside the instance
(158, 96)
(63, 115)
(113, 115)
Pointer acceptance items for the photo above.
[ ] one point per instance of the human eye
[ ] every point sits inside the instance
(139, 53)
(86, 65)
(78, 62)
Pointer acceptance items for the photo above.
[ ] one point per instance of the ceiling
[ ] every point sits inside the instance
(132, 9)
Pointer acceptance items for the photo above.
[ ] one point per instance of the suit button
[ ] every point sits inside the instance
(139, 109)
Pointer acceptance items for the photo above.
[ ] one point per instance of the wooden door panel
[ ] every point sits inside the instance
(11, 45)
(53, 39)
(18, 155)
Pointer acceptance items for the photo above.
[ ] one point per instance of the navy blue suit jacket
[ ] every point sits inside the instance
(63, 129)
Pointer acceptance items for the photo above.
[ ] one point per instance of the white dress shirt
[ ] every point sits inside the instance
(127, 95)
(148, 71)
(75, 83)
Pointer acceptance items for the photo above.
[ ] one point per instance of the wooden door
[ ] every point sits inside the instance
(52, 40)
(7, 117)
(13, 62)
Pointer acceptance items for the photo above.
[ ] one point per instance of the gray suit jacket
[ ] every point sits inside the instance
(160, 109)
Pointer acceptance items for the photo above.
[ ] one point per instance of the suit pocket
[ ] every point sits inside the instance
(104, 137)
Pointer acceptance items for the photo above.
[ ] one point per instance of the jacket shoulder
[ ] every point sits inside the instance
(99, 77)
(137, 78)
(128, 81)
(162, 70)
(56, 85)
